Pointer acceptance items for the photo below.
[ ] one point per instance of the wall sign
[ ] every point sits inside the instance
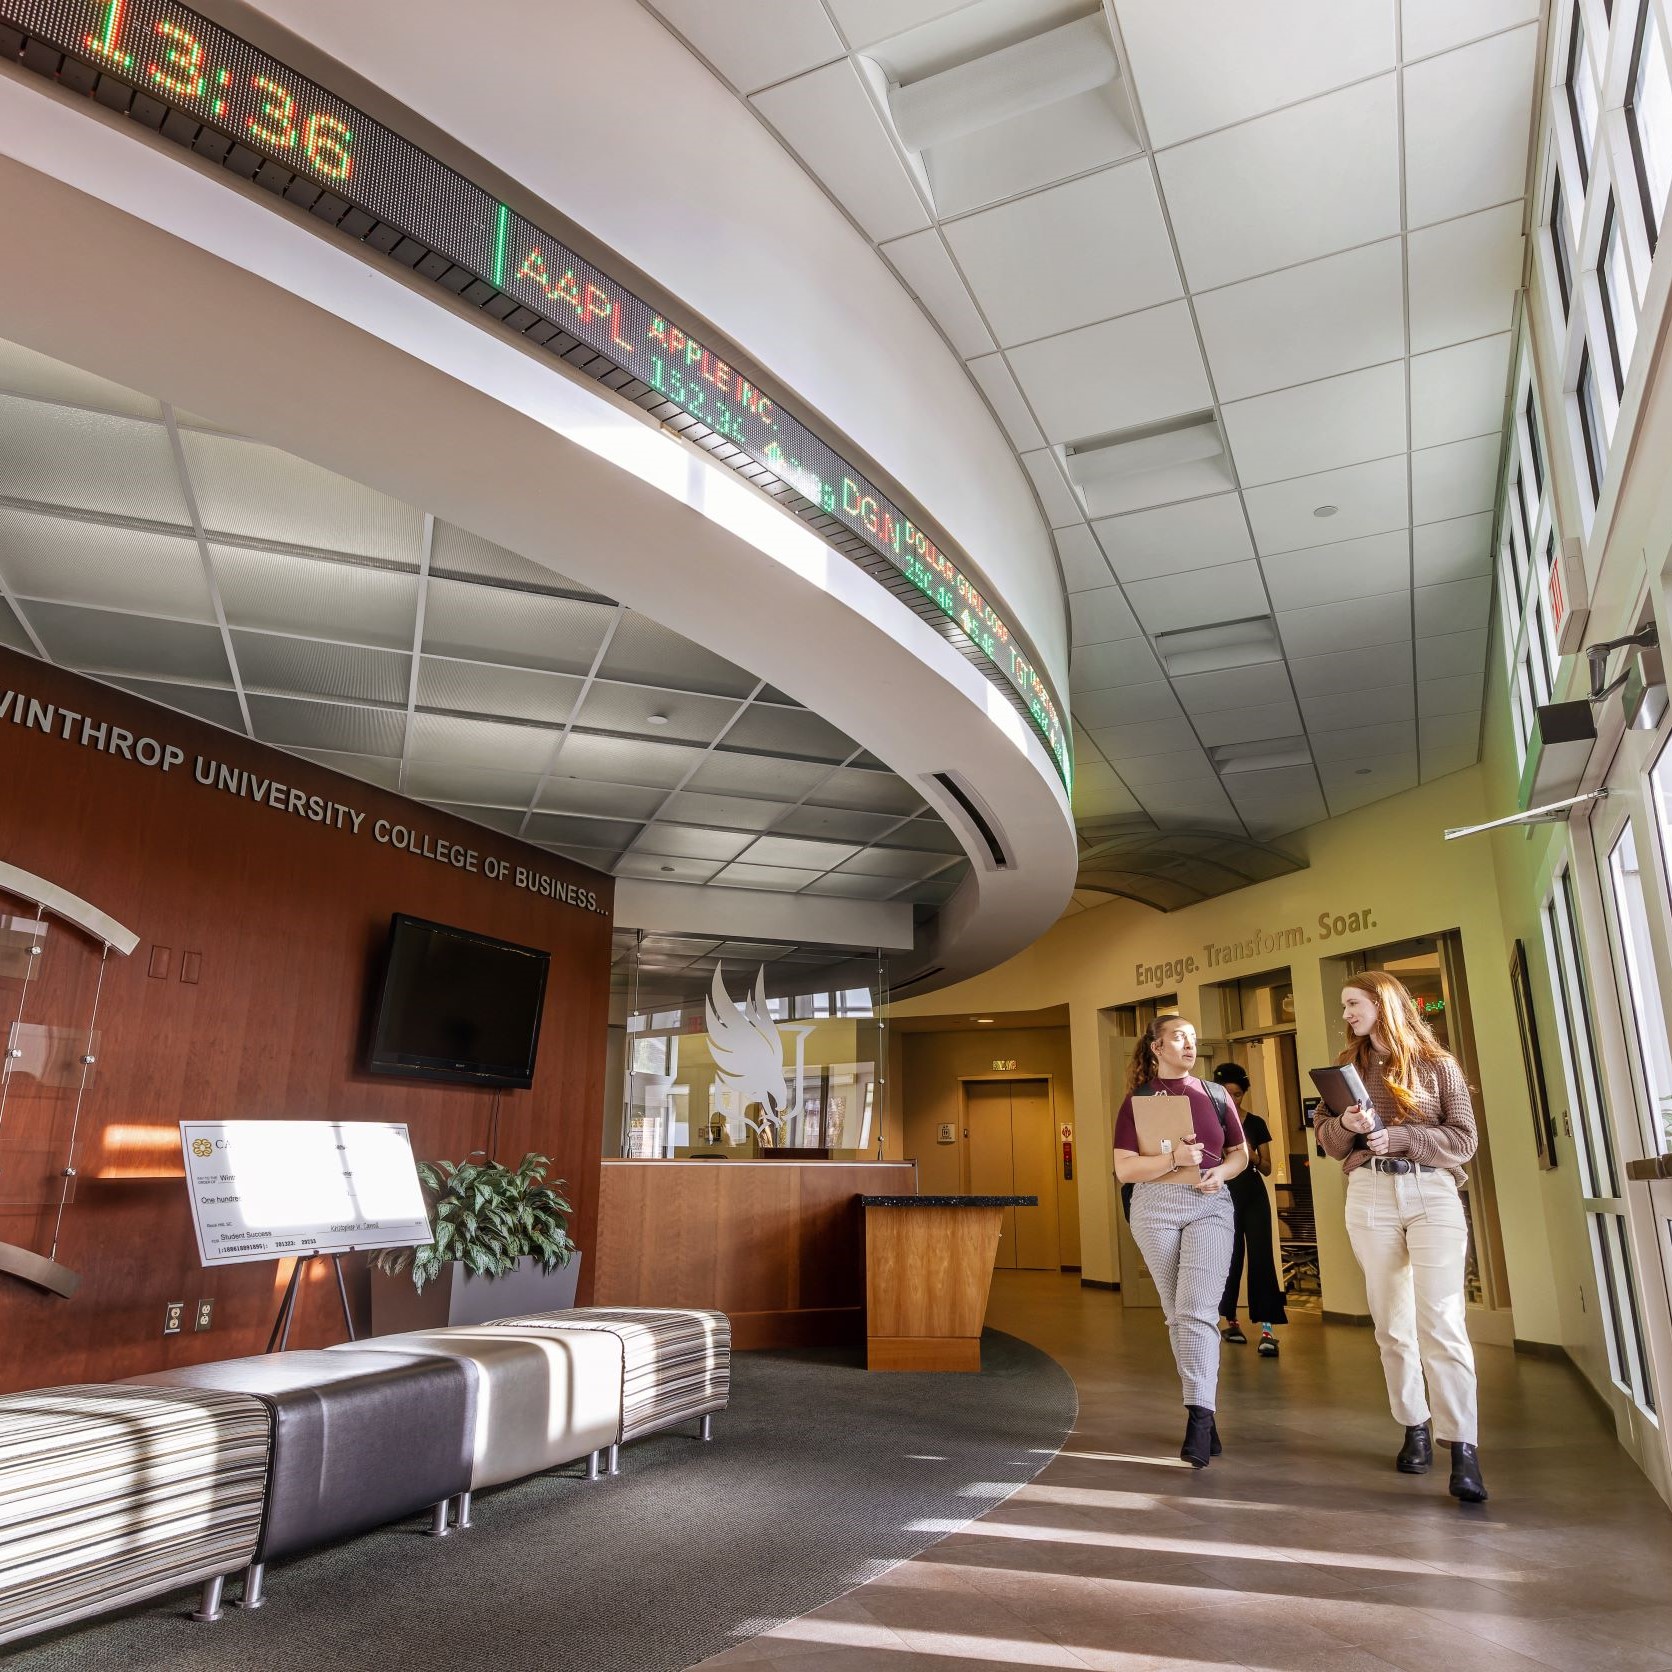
(1004, 1065)
(1260, 943)
(269, 1189)
(382, 189)
(71, 726)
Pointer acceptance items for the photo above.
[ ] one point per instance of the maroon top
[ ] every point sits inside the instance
(1212, 1136)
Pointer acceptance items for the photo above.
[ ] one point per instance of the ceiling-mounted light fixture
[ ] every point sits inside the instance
(1002, 85)
(1224, 644)
(1325, 510)
(656, 719)
(1183, 458)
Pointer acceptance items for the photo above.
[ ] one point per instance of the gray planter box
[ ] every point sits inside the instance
(460, 1297)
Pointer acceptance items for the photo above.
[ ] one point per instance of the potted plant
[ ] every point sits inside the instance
(501, 1248)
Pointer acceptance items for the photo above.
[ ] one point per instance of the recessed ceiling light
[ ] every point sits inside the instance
(1325, 510)
(656, 720)
(981, 1018)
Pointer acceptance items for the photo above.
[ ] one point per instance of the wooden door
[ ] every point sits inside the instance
(1012, 1151)
(992, 1170)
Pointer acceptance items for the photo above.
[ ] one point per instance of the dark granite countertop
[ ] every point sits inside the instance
(949, 1201)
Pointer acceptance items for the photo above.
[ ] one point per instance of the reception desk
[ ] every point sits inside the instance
(778, 1246)
(928, 1268)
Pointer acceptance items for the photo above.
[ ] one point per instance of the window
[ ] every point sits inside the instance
(1560, 246)
(1587, 1105)
(1581, 92)
(1534, 450)
(1649, 120)
(1619, 310)
(1590, 423)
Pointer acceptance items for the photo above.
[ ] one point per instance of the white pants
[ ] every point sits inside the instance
(1411, 1237)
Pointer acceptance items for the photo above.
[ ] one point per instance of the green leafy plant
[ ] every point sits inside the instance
(488, 1216)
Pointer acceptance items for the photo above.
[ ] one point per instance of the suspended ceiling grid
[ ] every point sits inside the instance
(239, 584)
(1289, 235)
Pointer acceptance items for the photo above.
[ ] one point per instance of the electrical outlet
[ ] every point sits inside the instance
(205, 1314)
(174, 1317)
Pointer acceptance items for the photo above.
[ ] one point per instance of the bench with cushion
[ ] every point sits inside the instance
(359, 1439)
(110, 1494)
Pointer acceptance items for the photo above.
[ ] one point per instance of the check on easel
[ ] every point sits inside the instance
(1165, 1125)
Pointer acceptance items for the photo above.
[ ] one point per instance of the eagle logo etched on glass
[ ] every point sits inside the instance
(749, 1054)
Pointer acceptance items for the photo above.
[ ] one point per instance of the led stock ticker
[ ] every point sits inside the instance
(435, 220)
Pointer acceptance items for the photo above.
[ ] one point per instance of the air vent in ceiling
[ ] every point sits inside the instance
(1183, 458)
(984, 825)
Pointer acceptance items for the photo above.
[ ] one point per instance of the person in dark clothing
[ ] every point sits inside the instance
(1253, 1227)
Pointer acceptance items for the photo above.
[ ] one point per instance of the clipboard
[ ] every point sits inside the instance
(1341, 1088)
(1170, 1119)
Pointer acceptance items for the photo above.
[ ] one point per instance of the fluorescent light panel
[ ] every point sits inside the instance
(1263, 756)
(1224, 644)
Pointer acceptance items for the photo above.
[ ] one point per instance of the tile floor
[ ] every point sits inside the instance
(1300, 1548)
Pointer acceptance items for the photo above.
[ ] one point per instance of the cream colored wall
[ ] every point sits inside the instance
(933, 1067)
(1387, 863)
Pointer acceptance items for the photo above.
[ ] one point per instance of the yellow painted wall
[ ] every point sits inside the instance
(932, 1068)
(1386, 862)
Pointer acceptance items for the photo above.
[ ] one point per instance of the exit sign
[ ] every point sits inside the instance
(1004, 1065)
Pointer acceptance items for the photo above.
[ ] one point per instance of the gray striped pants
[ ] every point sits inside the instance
(1186, 1240)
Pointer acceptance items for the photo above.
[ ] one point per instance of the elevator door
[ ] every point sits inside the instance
(1012, 1151)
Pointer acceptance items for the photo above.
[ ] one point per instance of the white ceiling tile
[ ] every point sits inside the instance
(1464, 276)
(1459, 391)
(1371, 705)
(1446, 758)
(1069, 256)
(1331, 574)
(1061, 507)
(1459, 694)
(1199, 534)
(1447, 655)
(1289, 809)
(1344, 671)
(71, 561)
(921, 260)
(1452, 550)
(1112, 376)
(1361, 743)
(999, 386)
(1319, 426)
(1453, 606)
(1352, 625)
(1083, 563)
(1445, 731)
(1429, 26)
(1100, 616)
(826, 117)
(1177, 806)
(1468, 119)
(865, 21)
(1145, 737)
(1127, 705)
(1249, 725)
(1454, 480)
(1234, 60)
(1315, 320)
(1350, 786)
(1369, 499)
(1256, 686)
(756, 42)
(1186, 768)
(1232, 592)
(1285, 188)
(1104, 667)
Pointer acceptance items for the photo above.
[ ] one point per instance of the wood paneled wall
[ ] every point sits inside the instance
(261, 935)
(779, 1246)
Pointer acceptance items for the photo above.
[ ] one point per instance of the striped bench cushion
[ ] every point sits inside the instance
(111, 1494)
(676, 1362)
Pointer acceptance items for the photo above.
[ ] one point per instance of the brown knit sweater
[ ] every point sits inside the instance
(1440, 1134)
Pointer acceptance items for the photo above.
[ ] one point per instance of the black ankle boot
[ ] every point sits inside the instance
(1416, 1456)
(1465, 1474)
(1198, 1437)
(1215, 1449)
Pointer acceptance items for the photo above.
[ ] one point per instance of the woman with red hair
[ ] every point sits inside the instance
(1403, 1158)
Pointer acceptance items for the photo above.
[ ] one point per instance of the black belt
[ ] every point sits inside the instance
(1398, 1164)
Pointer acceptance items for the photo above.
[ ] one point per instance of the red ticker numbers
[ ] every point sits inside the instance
(180, 71)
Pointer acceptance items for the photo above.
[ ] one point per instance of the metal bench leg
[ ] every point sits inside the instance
(255, 1582)
(438, 1519)
(209, 1599)
(594, 1459)
(615, 1460)
(707, 1429)
(461, 1511)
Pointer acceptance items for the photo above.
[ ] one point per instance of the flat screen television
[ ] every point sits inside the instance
(457, 1006)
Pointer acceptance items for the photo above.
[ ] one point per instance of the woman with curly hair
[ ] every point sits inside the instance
(1403, 1158)
(1184, 1230)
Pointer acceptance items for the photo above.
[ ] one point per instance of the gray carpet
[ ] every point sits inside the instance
(820, 1475)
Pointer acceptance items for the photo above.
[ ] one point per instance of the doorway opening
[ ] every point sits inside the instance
(1011, 1150)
